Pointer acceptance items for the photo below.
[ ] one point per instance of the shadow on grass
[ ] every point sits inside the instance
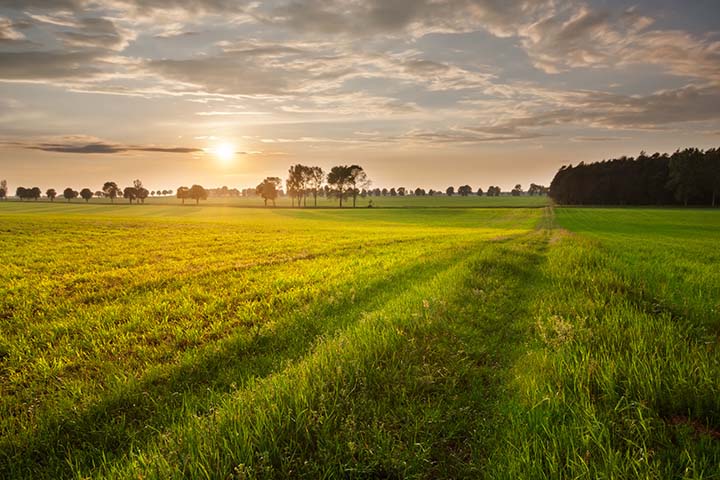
(126, 418)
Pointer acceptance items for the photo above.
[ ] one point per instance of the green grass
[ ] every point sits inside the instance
(456, 201)
(213, 342)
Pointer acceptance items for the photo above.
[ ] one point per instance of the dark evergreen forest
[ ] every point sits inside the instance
(687, 177)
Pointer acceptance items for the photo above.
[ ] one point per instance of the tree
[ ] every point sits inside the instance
(130, 193)
(517, 191)
(69, 194)
(197, 193)
(465, 190)
(295, 183)
(183, 193)
(268, 189)
(21, 193)
(51, 194)
(111, 190)
(393, 192)
(142, 194)
(712, 173)
(685, 174)
(450, 191)
(357, 181)
(493, 191)
(338, 179)
(401, 191)
(419, 192)
(3, 189)
(431, 192)
(479, 192)
(86, 194)
(316, 177)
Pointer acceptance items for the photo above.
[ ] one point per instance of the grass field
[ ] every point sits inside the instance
(166, 342)
(456, 201)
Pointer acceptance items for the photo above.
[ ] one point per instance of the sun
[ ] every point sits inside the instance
(225, 152)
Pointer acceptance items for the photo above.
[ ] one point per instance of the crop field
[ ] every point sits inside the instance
(161, 341)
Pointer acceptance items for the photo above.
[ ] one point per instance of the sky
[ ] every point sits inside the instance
(421, 93)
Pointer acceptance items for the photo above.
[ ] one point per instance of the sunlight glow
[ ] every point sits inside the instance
(225, 152)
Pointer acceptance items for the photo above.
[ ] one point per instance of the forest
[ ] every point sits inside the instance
(687, 177)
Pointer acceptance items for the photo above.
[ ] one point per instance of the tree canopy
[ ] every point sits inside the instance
(686, 177)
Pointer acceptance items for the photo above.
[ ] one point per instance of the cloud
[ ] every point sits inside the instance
(50, 65)
(77, 145)
(588, 38)
(8, 32)
(96, 32)
(593, 109)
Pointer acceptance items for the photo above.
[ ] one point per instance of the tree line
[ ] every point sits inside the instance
(343, 183)
(110, 190)
(687, 177)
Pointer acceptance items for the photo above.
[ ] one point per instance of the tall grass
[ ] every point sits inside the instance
(166, 342)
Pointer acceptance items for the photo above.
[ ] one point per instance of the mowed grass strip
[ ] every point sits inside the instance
(104, 356)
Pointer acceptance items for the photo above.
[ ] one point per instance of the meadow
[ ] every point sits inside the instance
(161, 341)
(407, 201)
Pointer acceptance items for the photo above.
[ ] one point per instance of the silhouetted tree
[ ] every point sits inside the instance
(3, 189)
(316, 177)
(111, 190)
(69, 194)
(198, 193)
(268, 189)
(357, 181)
(51, 194)
(183, 193)
(685, 177)
(537, 189)
(130, 193)
(401, 191)
(339, 180)
(393, 192)
(86, 194)
(450, 191)
(465, 190)
(479, 192)
(517, 191)
(21, 193)
(685, 174)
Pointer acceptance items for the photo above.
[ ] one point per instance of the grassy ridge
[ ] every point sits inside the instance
(215, 342)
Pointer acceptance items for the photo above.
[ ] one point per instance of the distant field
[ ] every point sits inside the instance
(158, 341)
(385, 202)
